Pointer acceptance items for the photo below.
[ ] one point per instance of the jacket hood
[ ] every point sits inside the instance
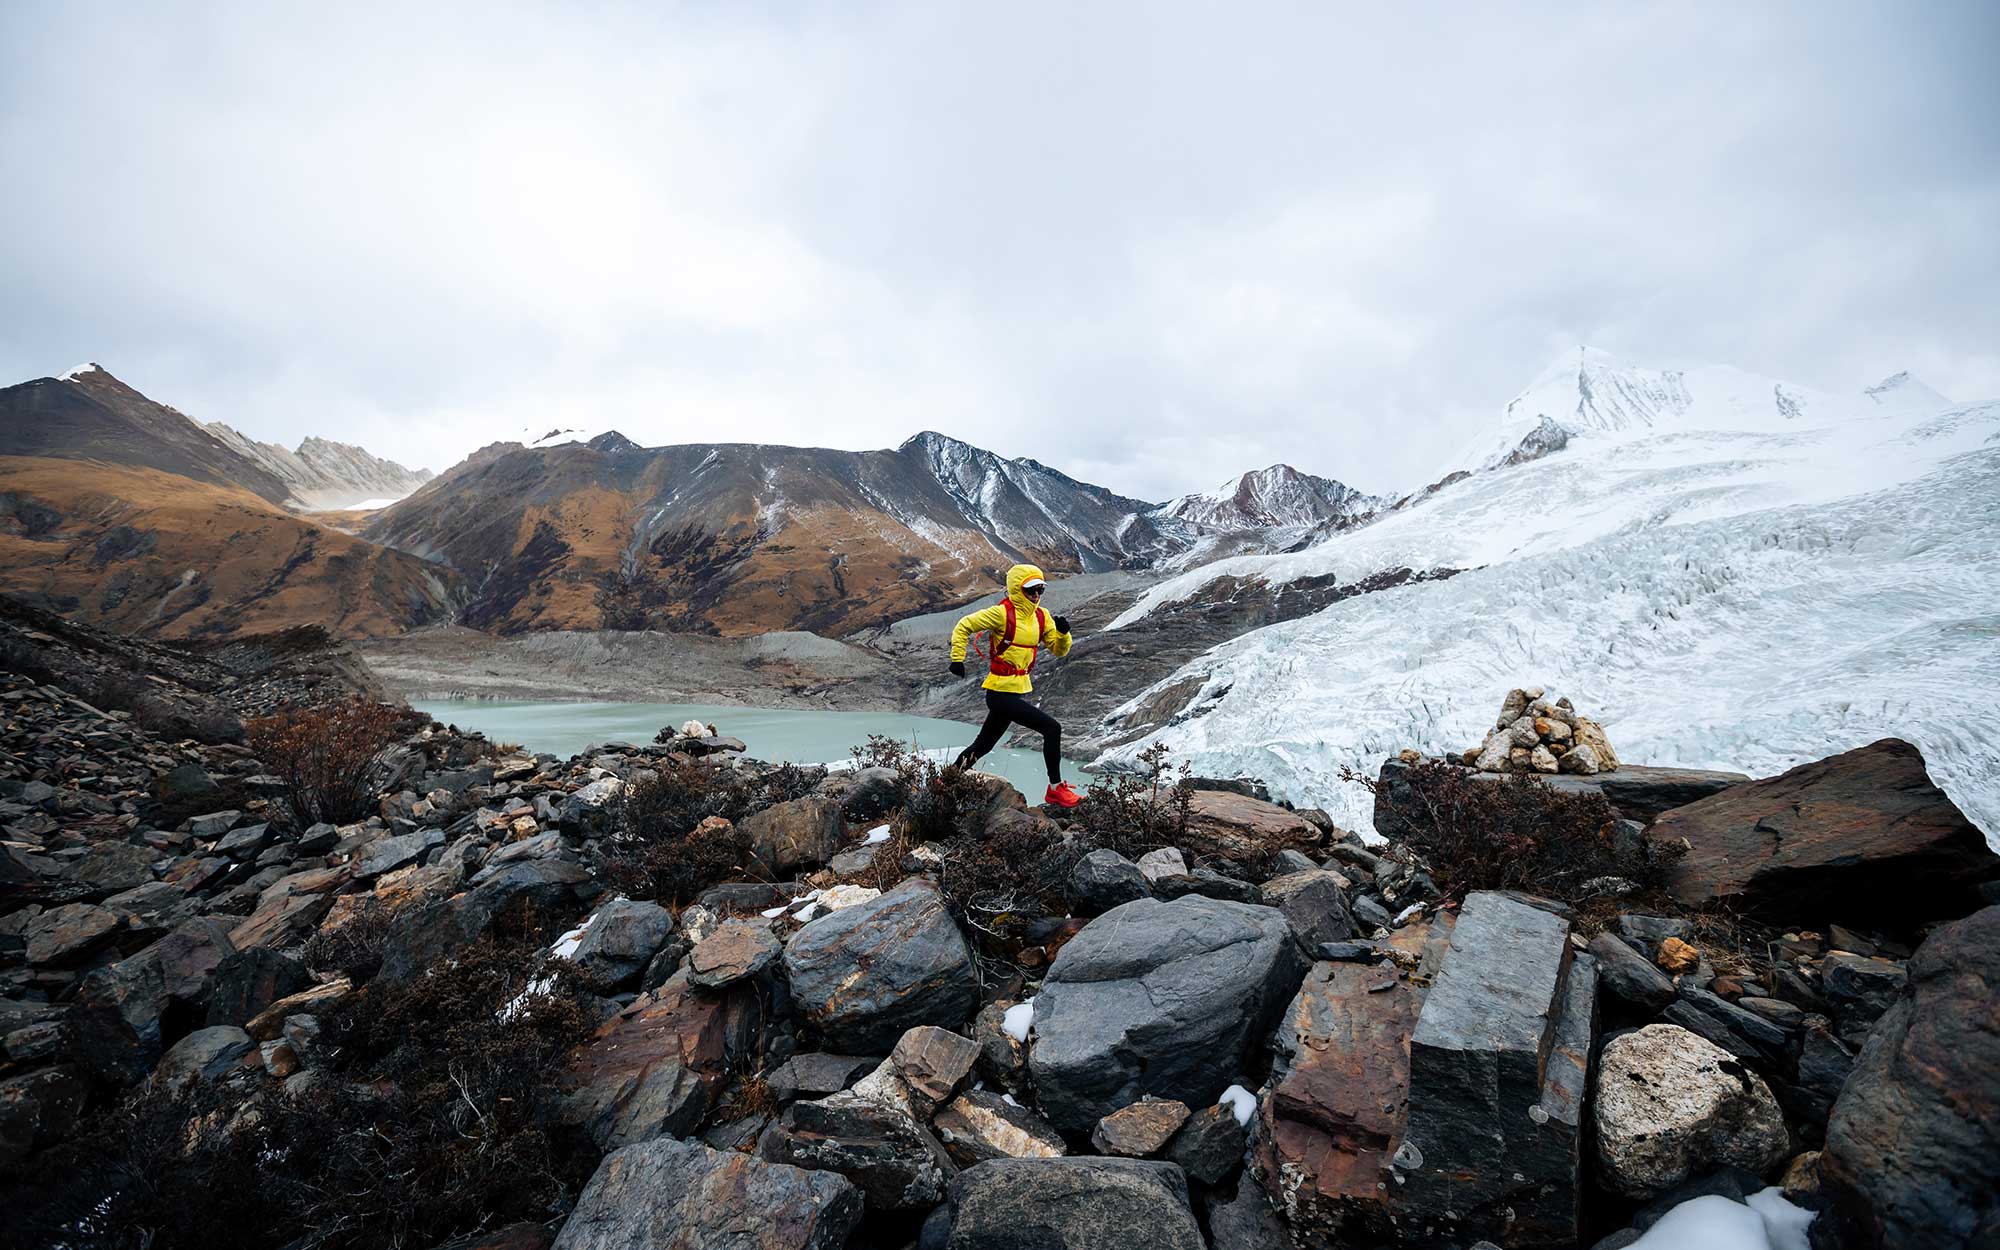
(1015, 576)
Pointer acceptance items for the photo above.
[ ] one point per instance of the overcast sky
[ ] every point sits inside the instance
(1150, 246)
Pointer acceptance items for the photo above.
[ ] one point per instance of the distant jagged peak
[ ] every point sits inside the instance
(77, 371)
(611, 442)
(1906, 392)
(1278, 495)
(931, 443)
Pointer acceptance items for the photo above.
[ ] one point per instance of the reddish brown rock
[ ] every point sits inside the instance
(1910, 1148)
(657, 1067)
(1864, 833)
(290, 908)
(1339, 1107)
(1236, 824)
(1140, 1129)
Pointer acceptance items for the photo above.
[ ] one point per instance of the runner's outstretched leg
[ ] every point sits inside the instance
(998, 714)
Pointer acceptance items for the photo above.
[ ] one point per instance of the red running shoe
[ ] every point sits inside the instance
(1061, 795)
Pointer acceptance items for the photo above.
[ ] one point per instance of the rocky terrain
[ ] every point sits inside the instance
(754, 1005)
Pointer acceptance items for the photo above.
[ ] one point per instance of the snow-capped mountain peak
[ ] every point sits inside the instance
(1906, 392)
(1807, 571)
(1276, 496)
(77, 371)
(1589, 394)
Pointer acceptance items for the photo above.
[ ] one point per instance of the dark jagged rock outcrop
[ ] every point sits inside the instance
(1442, 1091)
(1863, 833)
(1911, 1143)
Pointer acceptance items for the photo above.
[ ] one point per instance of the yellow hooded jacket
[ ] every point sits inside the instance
(1027, 632)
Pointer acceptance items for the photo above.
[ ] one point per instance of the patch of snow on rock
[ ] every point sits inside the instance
(1241, 1103)
(1016, 1020)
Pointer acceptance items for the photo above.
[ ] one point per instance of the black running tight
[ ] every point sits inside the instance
(1003, 709)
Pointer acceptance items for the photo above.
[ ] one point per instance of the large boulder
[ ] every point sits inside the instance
(734, 951)
(683, 1194)
(115, 1019)
(1239, 825)
(866, 974)
(1072, 1203)
(1162, 998)
(1315, 903)
(1499, 1065)
(112, 867)
(1863, 833)
(621, 940)
(658, 1067)
(70, 934)
(37, 1110)
(1910, 1148)
(422, 936)
(787, 837)
(1103, 880)
(1671, 1106)
(247, 982)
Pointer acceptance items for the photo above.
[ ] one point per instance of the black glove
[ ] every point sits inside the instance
(958, 668)
(1062, 624)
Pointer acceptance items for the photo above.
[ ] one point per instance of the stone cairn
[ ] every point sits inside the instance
(1534, 734)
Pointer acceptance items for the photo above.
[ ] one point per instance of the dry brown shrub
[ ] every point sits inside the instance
(325, 755)
(1517, 833)
(1135, 812)
(431, 1117)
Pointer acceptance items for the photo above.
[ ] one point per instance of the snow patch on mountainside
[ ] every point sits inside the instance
(1725, 599)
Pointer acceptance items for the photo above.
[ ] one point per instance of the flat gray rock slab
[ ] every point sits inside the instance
(1499, 1065)
(1072, 1203)
(666, 1193)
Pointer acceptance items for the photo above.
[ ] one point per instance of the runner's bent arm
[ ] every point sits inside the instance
(983, 621)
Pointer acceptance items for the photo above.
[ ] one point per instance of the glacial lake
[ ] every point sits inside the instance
(797, 737)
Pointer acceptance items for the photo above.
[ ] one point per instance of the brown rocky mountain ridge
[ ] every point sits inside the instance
(124, 512)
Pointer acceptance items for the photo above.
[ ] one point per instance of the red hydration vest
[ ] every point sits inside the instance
(1007, 668)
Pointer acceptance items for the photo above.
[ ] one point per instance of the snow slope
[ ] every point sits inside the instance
(1747, 598)
(1590, 393)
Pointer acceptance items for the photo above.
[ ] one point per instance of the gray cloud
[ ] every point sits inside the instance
(1151, 246)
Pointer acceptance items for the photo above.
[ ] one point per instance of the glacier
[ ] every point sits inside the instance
(1750, 596)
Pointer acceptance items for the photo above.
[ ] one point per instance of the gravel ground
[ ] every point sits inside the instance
(897, 668)
(781, 670)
